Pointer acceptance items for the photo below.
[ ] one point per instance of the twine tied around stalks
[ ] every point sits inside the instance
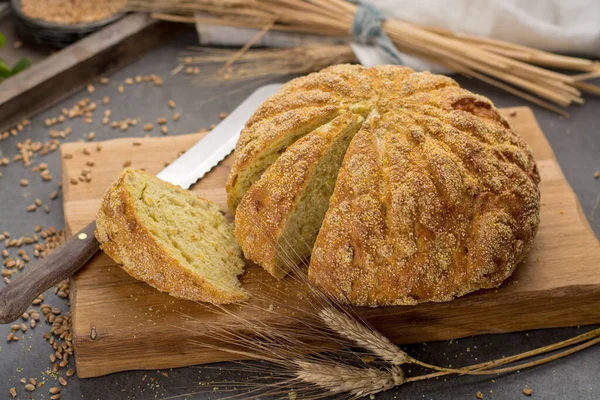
(367, 28)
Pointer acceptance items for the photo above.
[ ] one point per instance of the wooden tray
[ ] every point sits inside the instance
(136, 327)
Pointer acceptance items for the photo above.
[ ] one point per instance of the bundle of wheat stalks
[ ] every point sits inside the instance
(324, 349)
(514, 68)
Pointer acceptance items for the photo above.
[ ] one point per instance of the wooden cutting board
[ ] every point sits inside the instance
(122, 324)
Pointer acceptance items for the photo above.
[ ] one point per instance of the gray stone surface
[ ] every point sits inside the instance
(575, 141)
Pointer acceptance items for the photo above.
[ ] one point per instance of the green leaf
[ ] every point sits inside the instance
(2, 40)
(5, 70)
(21, 65)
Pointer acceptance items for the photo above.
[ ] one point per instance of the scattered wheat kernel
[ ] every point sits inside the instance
(38, 202)
(31, 208)
(54, 390)
(32, 323)
(212, 126)
(62, 381)
(104, 80)
(24, 327)
(196, 70)
(126, 164)
(189, 70)
(164, 129)
(33, 381)
(223, 115)
(105, 100)
(68, 156)
(73, 181)
(138, 79)
(171, 104)
(98, 148)
(128, 81)
(86, 151)
(15, 327)
(176, 116)
(70, 372)
(91, 135)
(55, 396)
(52, 358)
(91, 88)
(596, 174)
(13, 392)
(47, 209)
(24, 182)
(53, 195)
(527, 392)
(479, 395)
(29, 387)
(120, 89)
(148, 127)
(161, 121)
(23, 380)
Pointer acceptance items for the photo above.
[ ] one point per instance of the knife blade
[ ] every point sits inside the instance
(16, 297)
(216, 145)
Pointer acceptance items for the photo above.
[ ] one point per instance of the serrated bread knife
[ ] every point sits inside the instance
(17, 296)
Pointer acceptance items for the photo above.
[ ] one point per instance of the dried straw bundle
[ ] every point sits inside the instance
(514, 68)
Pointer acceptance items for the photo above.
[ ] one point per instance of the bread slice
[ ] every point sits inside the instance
(264, 141)
(278, 219)
(171, 239)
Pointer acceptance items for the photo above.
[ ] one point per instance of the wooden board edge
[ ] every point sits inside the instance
(585, 298)
(67, 71)
(584, 219)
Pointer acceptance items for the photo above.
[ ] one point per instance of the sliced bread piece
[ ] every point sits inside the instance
(171, 239)
(278, 219)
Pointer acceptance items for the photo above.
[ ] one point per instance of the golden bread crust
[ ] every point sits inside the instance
(437, 196)
(264, 210)
(128, 242)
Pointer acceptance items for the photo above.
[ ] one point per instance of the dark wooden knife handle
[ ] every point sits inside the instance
(63, 262)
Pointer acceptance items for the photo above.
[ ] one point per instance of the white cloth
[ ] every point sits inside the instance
(563, 26)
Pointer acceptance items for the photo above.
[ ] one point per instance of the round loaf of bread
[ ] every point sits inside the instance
(400, 186)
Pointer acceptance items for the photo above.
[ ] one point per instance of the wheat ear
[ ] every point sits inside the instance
(363, 336)
(348, 379)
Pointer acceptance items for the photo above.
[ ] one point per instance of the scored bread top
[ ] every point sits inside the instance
(436, 196)
(170, 238)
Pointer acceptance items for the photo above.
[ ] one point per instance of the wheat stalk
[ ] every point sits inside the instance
(259, 63)
(364, 336)
(345, 379)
